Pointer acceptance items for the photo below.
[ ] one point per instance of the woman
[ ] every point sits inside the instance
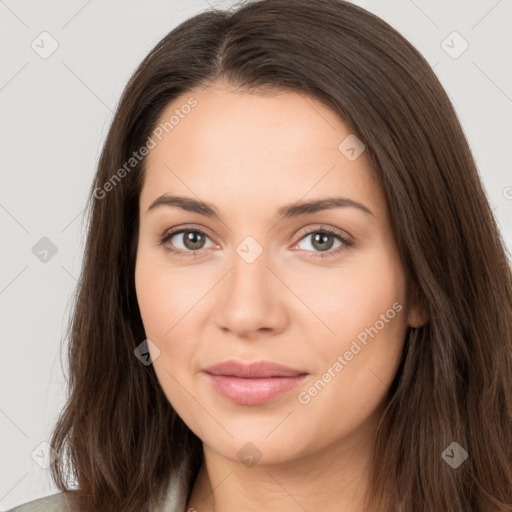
(294, 293)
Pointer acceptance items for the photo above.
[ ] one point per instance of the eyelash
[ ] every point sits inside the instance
(329, 231)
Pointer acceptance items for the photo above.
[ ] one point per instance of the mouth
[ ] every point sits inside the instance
(252, 384)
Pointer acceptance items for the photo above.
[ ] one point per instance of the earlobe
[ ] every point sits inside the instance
(418, 312)
(417, 318)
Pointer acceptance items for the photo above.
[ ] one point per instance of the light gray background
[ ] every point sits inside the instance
(55, 114)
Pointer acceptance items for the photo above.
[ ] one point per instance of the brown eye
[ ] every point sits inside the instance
(193, 240)
(186, 242)
(323, 240)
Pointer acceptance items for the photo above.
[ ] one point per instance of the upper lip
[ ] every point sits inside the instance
(258, 369)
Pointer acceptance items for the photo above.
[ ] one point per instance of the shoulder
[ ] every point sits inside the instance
(54, 503)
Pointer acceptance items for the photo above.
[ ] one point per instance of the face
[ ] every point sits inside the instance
(319, 290)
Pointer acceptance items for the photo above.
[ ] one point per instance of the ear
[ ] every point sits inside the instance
(418, 314)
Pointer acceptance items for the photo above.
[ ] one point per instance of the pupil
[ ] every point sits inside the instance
(193, 238)
(321, 239)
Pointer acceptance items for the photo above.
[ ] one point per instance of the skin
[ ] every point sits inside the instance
(249, 154)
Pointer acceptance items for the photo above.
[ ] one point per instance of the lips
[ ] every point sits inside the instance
(253, 383)
(256, 370)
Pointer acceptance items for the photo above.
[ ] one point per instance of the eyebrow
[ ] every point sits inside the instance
(285, 212)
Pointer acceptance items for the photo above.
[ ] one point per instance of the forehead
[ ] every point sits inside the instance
(235, 122)
(254, 148)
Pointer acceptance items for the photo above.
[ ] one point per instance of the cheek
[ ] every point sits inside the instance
(164, 297)
(360, 356)
(354, 298)
(165, 300)
(150, 297)
(357, 367)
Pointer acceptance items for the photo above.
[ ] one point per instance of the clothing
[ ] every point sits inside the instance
(175, 501)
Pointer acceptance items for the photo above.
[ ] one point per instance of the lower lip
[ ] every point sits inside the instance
(252, 391)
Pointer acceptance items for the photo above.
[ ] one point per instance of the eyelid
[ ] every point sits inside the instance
(347, 240)
(343, 236)
(324, 227)
(185, 227)
(171, 232)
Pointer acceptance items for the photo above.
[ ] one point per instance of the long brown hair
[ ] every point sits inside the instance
(120, 439)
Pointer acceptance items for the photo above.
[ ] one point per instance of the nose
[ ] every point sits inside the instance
(252, 299)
